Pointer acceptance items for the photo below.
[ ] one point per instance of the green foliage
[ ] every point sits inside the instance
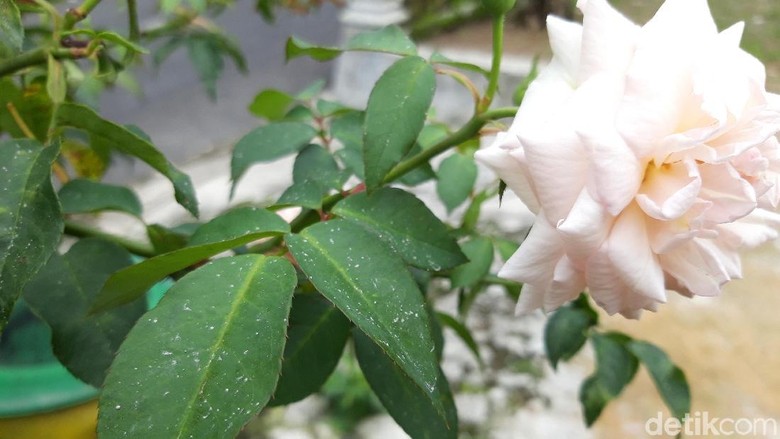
(404, 222)
(390, 39)
(30, 219)
(395, 115)
(87, 196)
(456, 177)
(567, 330)
(129, 142)
(214, 359)
(368, 282)
(668, 378)
(267, 143)
(316, 338)
(11, 29)
(61, 294)
(226, 232)
(410, 406)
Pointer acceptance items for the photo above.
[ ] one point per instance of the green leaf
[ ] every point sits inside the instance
(315, 340)
(395, 114)
(403, 221)
(56, 86)
(352, 160)
(438, 58)
(235, 228)
(202, 364)
(463, 332)
(615, 364)
(479, 252)
(348, 129)
(505, 247)
(87, 196)
(473, 211)
(315, 163)
(306, 194)
(420, 174)
(404, 400)
(61, 293)
(390, 39)
(311, 90)
(165, 240)
(566, 332)
(268, 143)
(128, 142)
(30, 219)
(457, 175)
(593, 397)
(669, 379)
(297, 47)
(207, 60)
(365, 279)
(271, 104)
(33, 104)
(11, 28)
(327, 108)
(119, 40)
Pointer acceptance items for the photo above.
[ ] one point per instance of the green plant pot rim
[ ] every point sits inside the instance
(33, 389)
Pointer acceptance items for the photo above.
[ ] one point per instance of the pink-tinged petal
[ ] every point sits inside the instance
(668, 191)
(556, 156)
(665, 236)
(505, 156)
(584, 229)
(568, 282)
(751, 231)
(628, 248)
(531, 299)
(566, 44)
(544, 98)
(617, 172)
(558, 166)
(694, 269)
(534, 262)
(608, 39)
(686, 21)
(608, 290)
(731, 196)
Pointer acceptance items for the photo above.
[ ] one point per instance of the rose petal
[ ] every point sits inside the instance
(506, 158)
(628, 248)
(608, 39)
(668, 191)
(535, 260)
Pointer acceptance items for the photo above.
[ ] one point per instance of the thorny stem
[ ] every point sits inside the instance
(495, 70)
(132, 17)
(41, 56)
(79, 13)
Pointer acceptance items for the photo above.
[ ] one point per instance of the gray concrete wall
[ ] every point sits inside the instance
(174, 108)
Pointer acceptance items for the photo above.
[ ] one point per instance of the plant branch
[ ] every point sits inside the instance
(132, 17)
(84, 231)
(79, 13)
(40, 56)
(468, 131)
(495, 70)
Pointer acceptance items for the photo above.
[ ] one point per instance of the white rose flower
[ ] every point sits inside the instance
(648, 155)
